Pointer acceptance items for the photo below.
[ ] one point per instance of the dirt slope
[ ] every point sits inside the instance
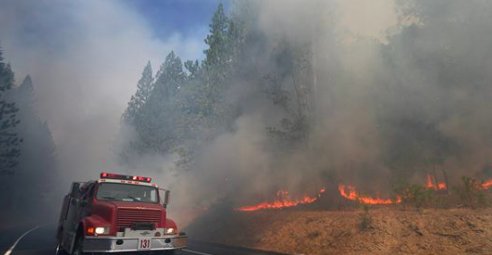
(390, 231)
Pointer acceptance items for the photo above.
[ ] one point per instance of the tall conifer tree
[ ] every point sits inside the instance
(9, 138)
(144, 89)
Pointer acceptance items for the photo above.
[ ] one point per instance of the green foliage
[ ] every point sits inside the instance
(37, 166)
(290, 87)
(186, 105)
(415, 195)
(471, 193)
(218, 53)
(246, 69)
(193, 68)
(9, 138)
(159, 122)
(31, 160)
(219, 68)
(137, 101)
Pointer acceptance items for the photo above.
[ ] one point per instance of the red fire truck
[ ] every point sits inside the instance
(117, 213)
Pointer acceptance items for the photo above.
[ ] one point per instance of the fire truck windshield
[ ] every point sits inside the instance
(126, 193)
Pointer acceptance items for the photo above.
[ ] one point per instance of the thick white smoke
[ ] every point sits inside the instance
(384, 76)
(85, 58)
(399, 91)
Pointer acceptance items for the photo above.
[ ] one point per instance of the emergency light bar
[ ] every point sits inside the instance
(125, 177)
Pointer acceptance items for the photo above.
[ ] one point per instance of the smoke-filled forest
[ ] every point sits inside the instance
(291, 97)
(294, 96)
(27, 153)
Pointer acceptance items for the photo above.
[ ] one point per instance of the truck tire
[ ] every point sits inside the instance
(60, 251)
(77, 248)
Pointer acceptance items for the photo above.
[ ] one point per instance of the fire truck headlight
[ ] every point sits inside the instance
(170, 231)
(102, 230)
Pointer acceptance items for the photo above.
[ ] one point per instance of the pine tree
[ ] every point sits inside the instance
(218, 53)
(37, 162)
(9, 138)
(193, 68)
(215, 65)
(170, 77)
(158, 123)
(215, 80)
(144, 89)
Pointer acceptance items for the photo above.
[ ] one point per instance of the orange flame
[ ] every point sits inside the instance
(353, 195)
(283, 200)
(349, 192)
(487, 184)
(430, 184)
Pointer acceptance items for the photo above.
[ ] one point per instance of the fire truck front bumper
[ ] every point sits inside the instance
(110, 244)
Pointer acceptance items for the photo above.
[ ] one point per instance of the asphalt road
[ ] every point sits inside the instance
(41, 241)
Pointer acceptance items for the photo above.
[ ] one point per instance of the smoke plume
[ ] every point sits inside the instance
(389, 90)
(397, 89)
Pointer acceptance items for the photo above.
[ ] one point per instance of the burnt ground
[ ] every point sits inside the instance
(383, 230)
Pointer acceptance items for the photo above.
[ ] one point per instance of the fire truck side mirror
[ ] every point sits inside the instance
(75, 189)
(166, 198)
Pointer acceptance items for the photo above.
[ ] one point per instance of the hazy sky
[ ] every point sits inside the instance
(187, 17)
(85, 58)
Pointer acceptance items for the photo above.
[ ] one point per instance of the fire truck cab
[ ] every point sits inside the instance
(117, 213)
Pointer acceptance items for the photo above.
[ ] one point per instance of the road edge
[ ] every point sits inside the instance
(9, 251)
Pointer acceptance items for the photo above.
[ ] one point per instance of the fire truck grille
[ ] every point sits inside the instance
(127, 217)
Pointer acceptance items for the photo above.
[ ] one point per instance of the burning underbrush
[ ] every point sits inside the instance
(349, 192)
(282, 200)
(406, 194)
(434, 217)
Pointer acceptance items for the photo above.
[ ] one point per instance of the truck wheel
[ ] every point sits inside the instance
(77, 248)
(60, 250)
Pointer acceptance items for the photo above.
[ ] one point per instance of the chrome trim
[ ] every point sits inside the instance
(107, 244)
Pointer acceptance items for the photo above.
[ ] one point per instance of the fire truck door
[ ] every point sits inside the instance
(71, 220)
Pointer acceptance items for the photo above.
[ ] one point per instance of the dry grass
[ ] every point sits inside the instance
(392, 231)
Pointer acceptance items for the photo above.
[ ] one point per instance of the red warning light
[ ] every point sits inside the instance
(105, 175)
(142, 179)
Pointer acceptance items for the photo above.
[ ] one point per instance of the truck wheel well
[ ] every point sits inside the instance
(80, 231)
(79, 234)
